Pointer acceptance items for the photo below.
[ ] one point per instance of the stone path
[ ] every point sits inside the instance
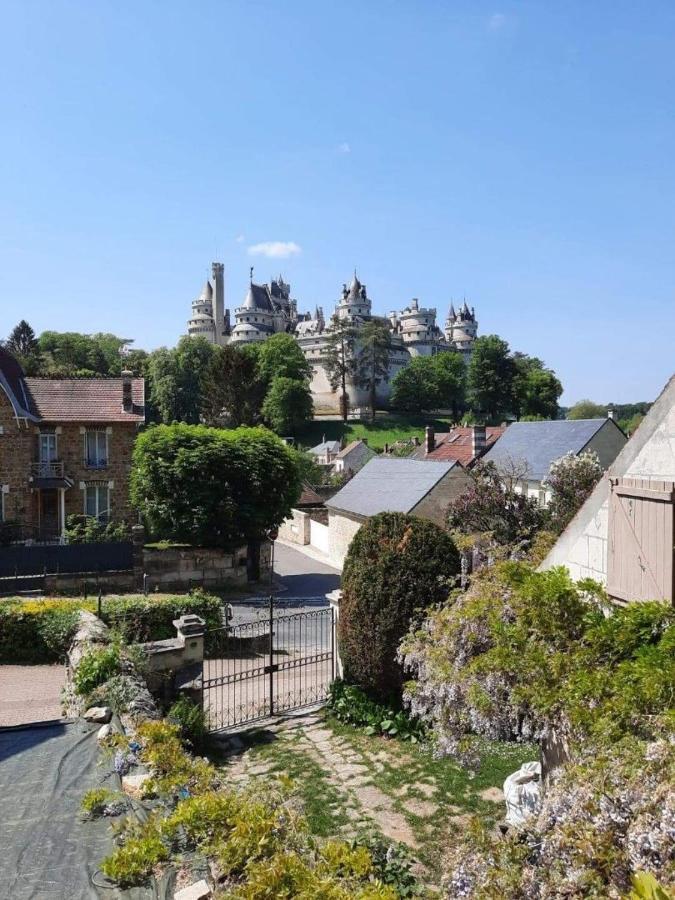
(347, 770)
(30, 694)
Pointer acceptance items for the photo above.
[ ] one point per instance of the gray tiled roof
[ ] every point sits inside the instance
(325, 447)
(540, 443)
(389, 485)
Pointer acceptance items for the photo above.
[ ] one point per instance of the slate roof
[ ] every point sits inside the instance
(352, 446)
(257, 298)
(84, 399)
(540, 443)
(12, 382)
(389, 485)
(325, 447)
(458, 444)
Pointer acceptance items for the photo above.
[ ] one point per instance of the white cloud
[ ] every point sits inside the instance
(275, 249)
(240, 239)
(344, 147)
(496, 21)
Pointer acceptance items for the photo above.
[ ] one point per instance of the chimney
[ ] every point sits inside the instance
(127, 401)
(478, 440)
(429, 439)
(610, 413)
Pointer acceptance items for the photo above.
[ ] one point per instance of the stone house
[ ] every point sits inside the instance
(525, 451)
(623, 535)
(352, 458)
(325, 453)
(65, 449)
(387, 484)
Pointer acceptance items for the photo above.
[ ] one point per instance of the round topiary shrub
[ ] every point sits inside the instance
(396, 564)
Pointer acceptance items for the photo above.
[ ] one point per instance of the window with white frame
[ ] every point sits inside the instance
(95, 449)
(47, 447)
(97, 500)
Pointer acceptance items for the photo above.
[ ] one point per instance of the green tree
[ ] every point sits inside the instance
(212, 487)
(178, 379)
(372, 360)
(415, 387)
(69, 353)
(536, 389)
(280, 356)
(232, 390)
(490, 377)
(449, 372)
(570, 480)
(396, 565)
(288, 404)
(338, 359)
(23, 344)
(587, 409)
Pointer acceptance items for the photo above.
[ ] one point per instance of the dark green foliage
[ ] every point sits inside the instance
(349, 704)
(191, 720)
(338, 359)
(288, 405)
(372, 359)
(233, 390)
(490, 378)
(396, 566)
(414, 388)
(280, 356)
(41, 631)
(536, 389)
(70, 354)
(392, 864)
(89, 530)
(587, 409)
(211, 487)
(177, 379)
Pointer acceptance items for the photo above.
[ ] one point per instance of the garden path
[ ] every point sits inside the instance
(30, 694)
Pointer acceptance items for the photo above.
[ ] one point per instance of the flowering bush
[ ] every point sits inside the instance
(493, 508)
(570, 480)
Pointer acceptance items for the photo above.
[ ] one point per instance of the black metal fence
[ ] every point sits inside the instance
(56, 559)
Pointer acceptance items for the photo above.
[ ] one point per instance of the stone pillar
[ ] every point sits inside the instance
(334, 598)
(190, 629)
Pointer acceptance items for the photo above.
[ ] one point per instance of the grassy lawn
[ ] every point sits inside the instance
(350, 783)
(387, 428)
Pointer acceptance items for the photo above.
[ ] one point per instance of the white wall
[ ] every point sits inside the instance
(319, 536)
(341, 529)
(650, 453)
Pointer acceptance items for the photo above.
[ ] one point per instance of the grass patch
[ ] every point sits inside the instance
(386, 429)
(323, 804)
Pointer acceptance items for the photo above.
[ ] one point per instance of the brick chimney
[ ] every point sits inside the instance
(478, 440)
(127, 401)
(429, 439)
(610, 413)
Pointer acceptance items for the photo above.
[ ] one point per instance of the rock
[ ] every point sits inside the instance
(200, 890)
(104, 732)
(523, 793)
(98, 714)
(133, 784)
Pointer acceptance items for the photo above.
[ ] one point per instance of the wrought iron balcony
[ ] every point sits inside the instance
(53, 469)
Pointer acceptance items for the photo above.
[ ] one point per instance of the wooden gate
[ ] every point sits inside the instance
(641, 538)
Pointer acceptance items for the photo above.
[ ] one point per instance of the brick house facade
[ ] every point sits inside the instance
(65, 448)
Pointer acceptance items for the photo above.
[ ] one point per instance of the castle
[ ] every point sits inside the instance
(269, 309)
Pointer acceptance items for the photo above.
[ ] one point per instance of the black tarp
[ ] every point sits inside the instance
(47, 851)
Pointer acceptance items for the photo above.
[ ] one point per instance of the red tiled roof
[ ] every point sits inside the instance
(84, 399)
(457, 444)
(309, 496)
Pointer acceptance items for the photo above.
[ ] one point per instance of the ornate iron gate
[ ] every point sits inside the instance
(273, 664)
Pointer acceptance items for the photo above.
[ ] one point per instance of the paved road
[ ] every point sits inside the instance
(301, 575)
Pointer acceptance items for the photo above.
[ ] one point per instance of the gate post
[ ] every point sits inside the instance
(271, 661)
(334, 599)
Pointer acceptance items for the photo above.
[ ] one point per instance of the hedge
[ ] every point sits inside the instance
(41, 631)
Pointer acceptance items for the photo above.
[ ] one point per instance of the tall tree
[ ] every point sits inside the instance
(415, 387)
(280, 356)
(232, 390)
(288, 404)
(490, 377)
(338, 359)
(372, 360)
(449, 372)
(177, 379)
(536, 389)
(23, 344)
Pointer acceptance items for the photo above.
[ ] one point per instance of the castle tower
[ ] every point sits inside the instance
(354, 302)
(218, 291)
(461, 328)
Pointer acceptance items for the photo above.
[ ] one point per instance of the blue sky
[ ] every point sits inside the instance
(519, 154)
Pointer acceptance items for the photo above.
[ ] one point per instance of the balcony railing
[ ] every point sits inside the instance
(95, 463)
(52, 469)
